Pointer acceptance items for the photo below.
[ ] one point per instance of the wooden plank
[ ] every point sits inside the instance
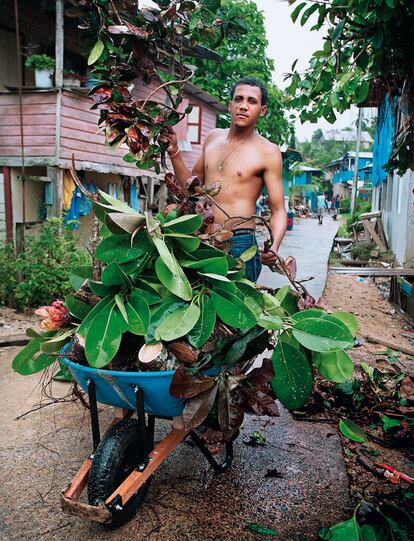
(28, 120)
(374, 271)
(33, 178)
(41, 98)
(79, 482)
(157, 456)
(28, 140)
(369, 229)
(40, 151)
(40, 109)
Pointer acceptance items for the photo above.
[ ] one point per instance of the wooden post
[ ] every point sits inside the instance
(19, 239)
(8, 203)
(59, 45)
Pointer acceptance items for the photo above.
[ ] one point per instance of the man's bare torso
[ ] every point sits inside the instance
(241, 178)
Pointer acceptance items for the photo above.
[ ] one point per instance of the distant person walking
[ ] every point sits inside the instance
(336, 206)
(321, 205)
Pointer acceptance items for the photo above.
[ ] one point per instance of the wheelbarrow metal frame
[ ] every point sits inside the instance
(150, 460)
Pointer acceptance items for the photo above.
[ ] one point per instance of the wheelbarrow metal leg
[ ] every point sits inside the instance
(146, 444)
(219, 468)
(156, 457)
(93, 407)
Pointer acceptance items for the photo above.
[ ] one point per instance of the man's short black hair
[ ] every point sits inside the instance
(251, 81)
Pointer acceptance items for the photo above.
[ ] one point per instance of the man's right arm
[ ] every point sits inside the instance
(181, 171)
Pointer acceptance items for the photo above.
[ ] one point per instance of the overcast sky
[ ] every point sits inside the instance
(287, 42)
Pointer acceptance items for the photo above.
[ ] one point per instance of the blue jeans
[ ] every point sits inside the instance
(239, 244)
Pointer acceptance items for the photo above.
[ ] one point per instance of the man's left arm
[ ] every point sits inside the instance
(278, 219)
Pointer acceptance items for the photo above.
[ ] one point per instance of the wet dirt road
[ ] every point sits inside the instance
(186, 501)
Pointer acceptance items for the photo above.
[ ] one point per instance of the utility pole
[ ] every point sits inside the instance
(358, 145)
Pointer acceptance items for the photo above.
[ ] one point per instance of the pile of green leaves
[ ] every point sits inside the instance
(161, 282)
(41, 273)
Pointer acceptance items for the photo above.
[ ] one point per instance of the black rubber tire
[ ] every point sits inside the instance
(114, 459)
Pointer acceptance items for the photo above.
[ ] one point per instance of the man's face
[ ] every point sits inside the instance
(246, 106)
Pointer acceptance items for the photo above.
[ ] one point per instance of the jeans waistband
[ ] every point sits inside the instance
(243, 231)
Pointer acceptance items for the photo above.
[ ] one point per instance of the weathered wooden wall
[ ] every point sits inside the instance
(39, 110)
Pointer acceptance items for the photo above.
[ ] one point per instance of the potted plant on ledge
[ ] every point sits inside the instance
(43, 66)
(71, 78)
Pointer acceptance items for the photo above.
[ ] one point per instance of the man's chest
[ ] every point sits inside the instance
(241, 163)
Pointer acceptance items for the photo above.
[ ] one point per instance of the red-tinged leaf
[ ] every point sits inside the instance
(223, 235)
(263, 374)
(125, 93)
(260, 402)
(101, 94)
(140, 32)
(211, 229)
(173, 186)
(170, 12)
(213, 189)
(135, 140)
(112, 134)
(230, 410)
(184, 385)
(115, 117)
(191, 183)
(197, 408)
(144, 128)
(291, 267)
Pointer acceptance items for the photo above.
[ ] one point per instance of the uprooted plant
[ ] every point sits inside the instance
(167, 292)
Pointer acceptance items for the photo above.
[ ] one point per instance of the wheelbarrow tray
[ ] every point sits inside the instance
(116, 388)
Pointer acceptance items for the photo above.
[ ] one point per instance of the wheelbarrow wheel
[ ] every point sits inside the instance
(116, 456)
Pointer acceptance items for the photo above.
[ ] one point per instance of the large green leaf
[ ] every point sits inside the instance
(118, 248)
(335, 366)
(29, 360)
(185, 242)
(178, 323)
(248, 254)
(310, 313)
(164, 252)
(272, 306)
(101, 290)
(113, 275)
(96, 52)
(214, 265)
(287, 300)
(119, 222)
(79, 275)
(150, 297)
(293, 381)
(116, 204)
(203, 329)
(57, 342)
(322, 334)
(138, 313)
(232, 311)
(185, 224)
(159, 313)
(76, 307)
(274, 323)
(104, 304)
(248, 289)
(347, 319)
(104, 337)
(174, 279)
(352, 431)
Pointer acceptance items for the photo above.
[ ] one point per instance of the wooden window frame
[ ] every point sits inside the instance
(199, 123)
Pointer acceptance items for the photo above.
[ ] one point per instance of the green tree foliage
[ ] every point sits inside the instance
(245, 55)
(318, 152)
(365, 40)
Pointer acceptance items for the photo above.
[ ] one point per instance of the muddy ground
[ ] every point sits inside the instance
(376, 317)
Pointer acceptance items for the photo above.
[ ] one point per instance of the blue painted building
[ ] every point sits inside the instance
(304, 176)
(340, 172)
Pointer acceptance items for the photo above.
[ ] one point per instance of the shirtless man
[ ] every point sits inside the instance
(243, 162)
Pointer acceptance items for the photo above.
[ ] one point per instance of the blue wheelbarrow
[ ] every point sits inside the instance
(118, 471)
